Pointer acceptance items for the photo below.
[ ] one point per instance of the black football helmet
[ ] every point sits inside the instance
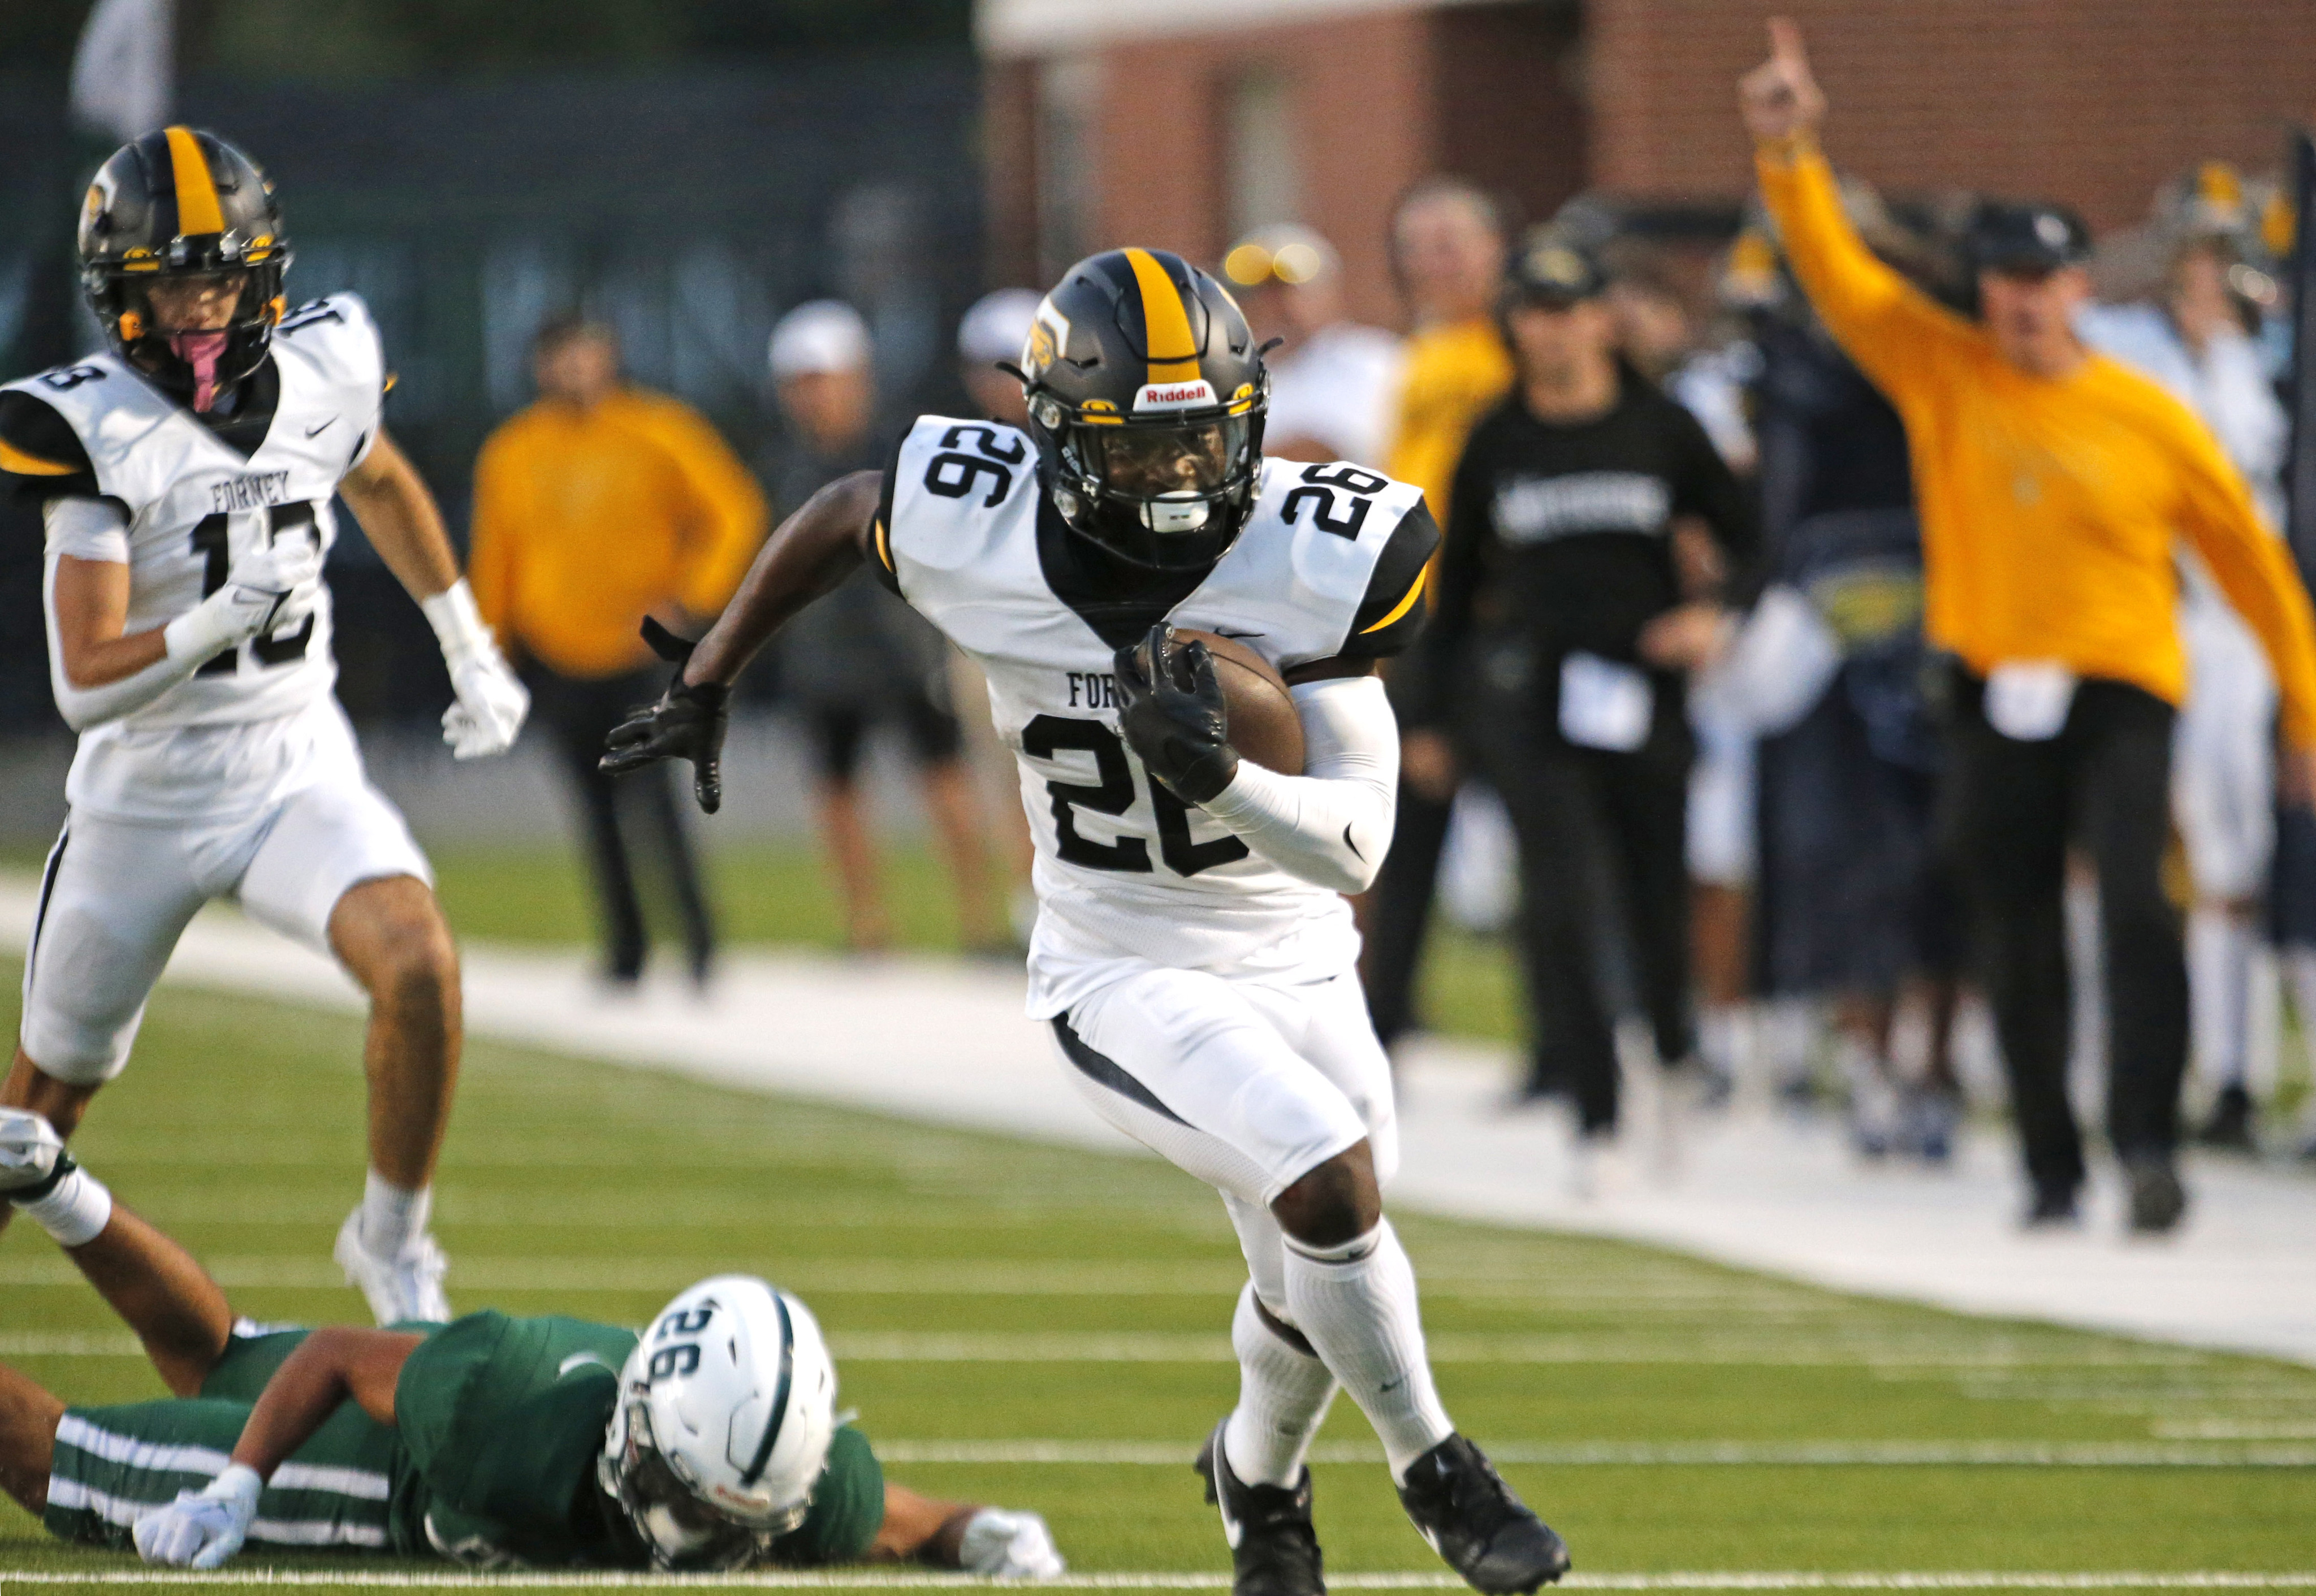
(182, 203)
(1146, 398)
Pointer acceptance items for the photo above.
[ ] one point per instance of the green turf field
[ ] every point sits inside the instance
(994, 1304)
(780, 893)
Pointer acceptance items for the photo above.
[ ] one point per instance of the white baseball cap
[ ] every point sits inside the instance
(819, 335)
(997, 326)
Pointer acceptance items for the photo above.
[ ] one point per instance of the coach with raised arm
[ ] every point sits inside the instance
(2053, 485)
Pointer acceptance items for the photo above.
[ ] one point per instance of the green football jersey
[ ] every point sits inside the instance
(499, 1422)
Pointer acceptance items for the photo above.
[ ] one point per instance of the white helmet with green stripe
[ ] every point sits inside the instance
(725, 1410)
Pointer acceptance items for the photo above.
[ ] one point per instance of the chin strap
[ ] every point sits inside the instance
(201, 351)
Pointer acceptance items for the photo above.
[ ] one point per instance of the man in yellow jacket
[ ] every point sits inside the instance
(2053, 484)
(1447, 252)
(600, 502)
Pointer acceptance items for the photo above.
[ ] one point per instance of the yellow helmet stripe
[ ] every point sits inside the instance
(18, 463)
(1174, 352)
(197, 196)
(1414, 591)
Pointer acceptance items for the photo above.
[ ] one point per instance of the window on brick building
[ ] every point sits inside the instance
(1069, 95)
(1262, 157)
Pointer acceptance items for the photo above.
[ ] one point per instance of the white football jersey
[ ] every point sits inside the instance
(194, 504)
(1330, 563)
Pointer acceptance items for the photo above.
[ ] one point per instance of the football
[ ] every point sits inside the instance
(1263, 725)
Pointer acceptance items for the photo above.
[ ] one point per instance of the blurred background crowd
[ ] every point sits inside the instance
(650, 274)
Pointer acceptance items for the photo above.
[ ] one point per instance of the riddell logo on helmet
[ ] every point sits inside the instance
(1175, 395)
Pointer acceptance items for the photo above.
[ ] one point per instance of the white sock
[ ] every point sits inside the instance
(74, 1211)
(1356, 1302)
(1283, 1395)
(392, 1217)
(2219, 992)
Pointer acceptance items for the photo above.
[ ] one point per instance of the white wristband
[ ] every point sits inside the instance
(458, 622)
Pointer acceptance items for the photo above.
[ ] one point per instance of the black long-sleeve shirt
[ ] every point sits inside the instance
(1570, 528)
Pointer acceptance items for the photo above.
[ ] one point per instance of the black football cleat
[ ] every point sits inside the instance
(1274, 1551)
(1462, 1506)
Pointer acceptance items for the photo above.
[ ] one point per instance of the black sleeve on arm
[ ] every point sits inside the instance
(40, 456)
(1391, 614)
(878, 555)
(1709, 490)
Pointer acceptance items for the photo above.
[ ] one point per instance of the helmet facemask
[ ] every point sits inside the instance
(680, 1529)
(1169, 494)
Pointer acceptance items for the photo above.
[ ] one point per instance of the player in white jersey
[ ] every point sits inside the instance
(1192, 950)
(185, 477)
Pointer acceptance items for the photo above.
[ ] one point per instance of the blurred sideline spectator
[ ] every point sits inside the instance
(1333, 383)
(1566, 504)
(1658, 334)
(2053, 484)
(1448, 243)
(995, 329)
(598, 504)
(2195, 343)
(857, 657)
(1855, 904)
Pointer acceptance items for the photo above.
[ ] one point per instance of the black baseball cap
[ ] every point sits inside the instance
(2008, 235)
(1555, 270)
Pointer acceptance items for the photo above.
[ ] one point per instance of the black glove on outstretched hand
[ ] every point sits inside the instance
(1172, 716)
(687, 723)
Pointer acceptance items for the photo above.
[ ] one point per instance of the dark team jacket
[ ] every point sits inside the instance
(1568, 528)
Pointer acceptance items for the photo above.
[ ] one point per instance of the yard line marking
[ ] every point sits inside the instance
(1422, 1579)
(1161, 1347)
(952, 1277)
(1710, 1454)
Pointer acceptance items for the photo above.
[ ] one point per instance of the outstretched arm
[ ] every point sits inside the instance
(985, 1540)
(335, 1364)
(1895, 333)
(807, 556)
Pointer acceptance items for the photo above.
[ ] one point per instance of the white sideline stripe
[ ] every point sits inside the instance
(1423, 1580)
(1869, 1454)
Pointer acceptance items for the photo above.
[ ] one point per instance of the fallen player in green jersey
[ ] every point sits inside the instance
(710, 1441)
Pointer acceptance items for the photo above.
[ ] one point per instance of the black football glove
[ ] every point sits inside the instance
(1172, 716)
(687, 723)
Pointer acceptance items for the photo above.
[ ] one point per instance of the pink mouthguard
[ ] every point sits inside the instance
(201, 351)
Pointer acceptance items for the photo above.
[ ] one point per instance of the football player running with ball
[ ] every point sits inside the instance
(1192, 950)
(709, 1441)
(185, 479)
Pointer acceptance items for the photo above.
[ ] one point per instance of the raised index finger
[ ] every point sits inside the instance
(1786, 46)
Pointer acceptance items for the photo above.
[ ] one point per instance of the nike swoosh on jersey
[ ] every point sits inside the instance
(315, 430)
(581, 1361)
(1354, 847)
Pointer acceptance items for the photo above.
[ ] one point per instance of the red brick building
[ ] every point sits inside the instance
(1178, 122)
